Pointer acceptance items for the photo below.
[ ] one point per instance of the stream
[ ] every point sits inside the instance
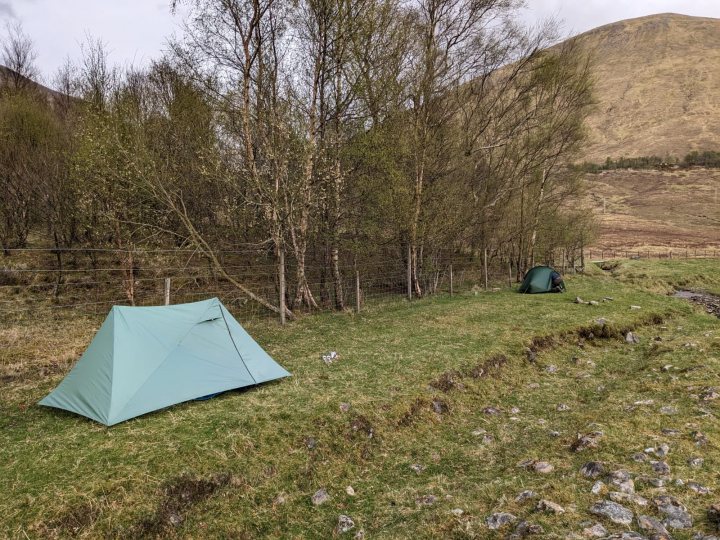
(710, 302)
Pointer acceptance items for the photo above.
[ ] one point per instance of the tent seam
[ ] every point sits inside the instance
(235, 345)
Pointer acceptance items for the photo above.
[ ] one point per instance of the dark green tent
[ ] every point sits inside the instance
(542, 279)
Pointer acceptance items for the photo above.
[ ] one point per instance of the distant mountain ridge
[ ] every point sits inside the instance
(8, 77)
(657, 87)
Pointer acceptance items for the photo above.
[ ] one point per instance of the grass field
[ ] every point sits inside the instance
(414, 439)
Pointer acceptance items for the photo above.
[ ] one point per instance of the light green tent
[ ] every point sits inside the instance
(146, 358)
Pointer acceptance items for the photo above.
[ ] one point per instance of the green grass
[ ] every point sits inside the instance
(668, 275)
(217, 468)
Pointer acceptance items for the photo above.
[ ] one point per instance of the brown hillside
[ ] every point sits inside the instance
(656, 210)
(10, 78)
(658, 87)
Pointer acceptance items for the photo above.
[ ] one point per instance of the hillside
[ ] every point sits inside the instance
(656, 210)
(658, 86)
(8, 77)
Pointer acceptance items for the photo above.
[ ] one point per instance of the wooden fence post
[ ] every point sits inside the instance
(509, 273)
(357, 291)
(451, 280)
(281, 278)
(167, 291)
(409, 273)
(486, 270)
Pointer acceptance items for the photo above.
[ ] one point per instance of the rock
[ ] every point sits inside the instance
(597, 488)
(350, 491)
(320, 497)
(491, 410)
(551, 368)
(330, 357)
(543, 467)
(594, 303)
(457, 512)
(696, 462)
(553, 433)
(479, 432)
(631, 338)
(697, 488)
(709, 394)
(660, 467)
(175, 519)
(699, 438)
(360, 535)
(533, 386)
(426, 500)
(499, 520)
(417, 468)
(713, 515)
(280, 499)
(589, 440)
(601, 321)
(439, 406)
(592, 469)
(525, 528)
(670, 432)
(676, 515)
(514, 410)
(622, 497)
(651, 481)
(668, 409)
(310, 442)
(344, 407)
(647, 523)
(613, 511)
(344, 524)
(644, 402)
(639, 457)
(595, 531)
(525, 496)
(549, 507)
(662, 451)
(622, 480)
(563, 407)
(701, 536)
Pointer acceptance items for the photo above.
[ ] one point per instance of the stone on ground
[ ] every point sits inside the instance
(613, 511)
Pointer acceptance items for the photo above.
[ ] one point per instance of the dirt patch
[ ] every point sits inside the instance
(72, 522)
(448, 381)
(413, 412)
(491, 365)
(179, 496)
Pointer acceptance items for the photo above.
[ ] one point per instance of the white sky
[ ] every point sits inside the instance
(136, 31)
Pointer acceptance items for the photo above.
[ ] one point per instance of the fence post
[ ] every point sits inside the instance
(486, 271)
(409, 273)
(357, 291)
(510, 273)
(451, 281)
(281, 278)
(167, 291)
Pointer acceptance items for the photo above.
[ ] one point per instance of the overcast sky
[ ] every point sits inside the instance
(136, 31)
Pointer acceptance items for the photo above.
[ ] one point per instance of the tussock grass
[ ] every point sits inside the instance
(417, 377)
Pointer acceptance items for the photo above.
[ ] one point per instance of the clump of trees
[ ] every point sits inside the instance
(328, 134)
(707, 158)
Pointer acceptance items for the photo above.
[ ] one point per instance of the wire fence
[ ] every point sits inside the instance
(89, 280)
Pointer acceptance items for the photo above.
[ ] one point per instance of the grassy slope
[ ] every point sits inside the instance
(61, 475)
(668, 275)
